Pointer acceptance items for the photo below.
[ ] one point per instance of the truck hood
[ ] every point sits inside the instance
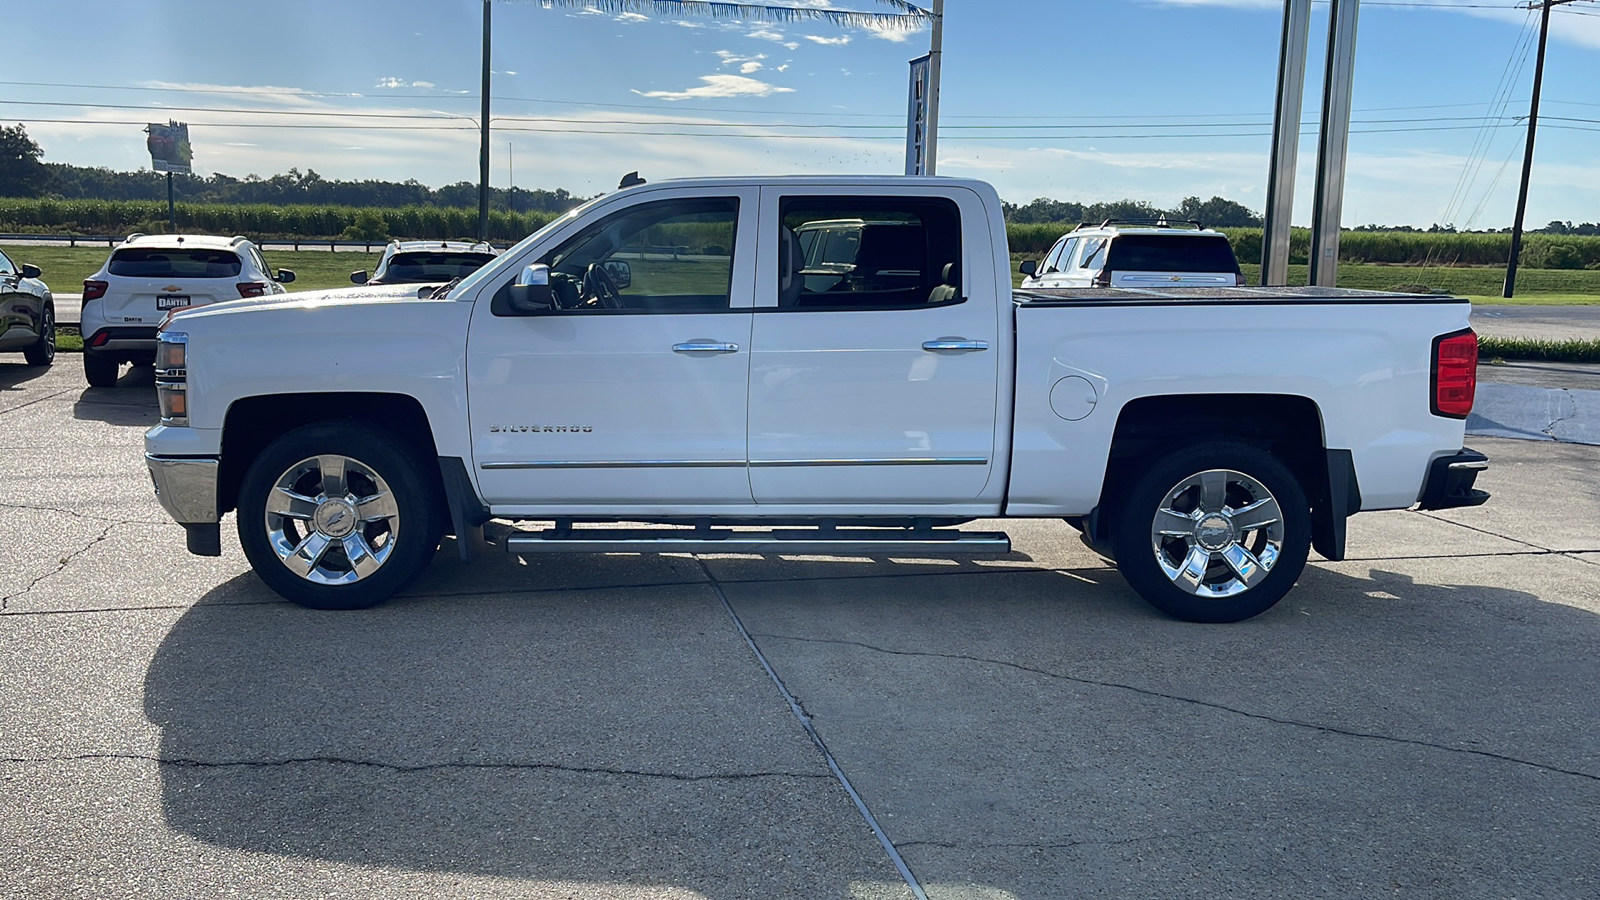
(338, 297)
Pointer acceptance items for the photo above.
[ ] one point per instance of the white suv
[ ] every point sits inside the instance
(427, 262)
(1136, 253)
(149, 275)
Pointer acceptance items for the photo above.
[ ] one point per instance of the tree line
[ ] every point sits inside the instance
(25, 174)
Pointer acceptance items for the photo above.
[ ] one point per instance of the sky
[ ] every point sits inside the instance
(1153, 100)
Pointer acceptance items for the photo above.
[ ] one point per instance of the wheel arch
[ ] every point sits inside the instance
(1288, 426)
(251, 423)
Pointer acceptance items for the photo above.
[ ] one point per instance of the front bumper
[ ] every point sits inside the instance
(1450, 478)
(187, 488)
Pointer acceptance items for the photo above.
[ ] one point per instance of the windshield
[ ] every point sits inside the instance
(509, 257)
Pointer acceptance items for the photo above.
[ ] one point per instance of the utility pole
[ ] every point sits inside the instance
(1275, 230)
(1527, 155)
(1332, 154)
(483, 127)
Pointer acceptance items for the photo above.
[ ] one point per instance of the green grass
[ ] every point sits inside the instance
(1538, 349)
(65, 268)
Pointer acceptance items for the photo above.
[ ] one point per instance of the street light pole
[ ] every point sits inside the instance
(483, 127)
(935, 56)
(1527, 155)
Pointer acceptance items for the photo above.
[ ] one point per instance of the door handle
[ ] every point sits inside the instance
(705, 347)
(955, 343)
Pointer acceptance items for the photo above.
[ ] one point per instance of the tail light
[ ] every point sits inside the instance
(1455, 373)
(1238, 279)
(1103, 279)
(251, 289)
(94, 290)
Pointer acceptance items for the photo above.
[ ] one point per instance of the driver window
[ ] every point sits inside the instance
(672, 256)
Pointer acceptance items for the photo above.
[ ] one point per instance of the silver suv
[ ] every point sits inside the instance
(149, 275)
(1136, 253)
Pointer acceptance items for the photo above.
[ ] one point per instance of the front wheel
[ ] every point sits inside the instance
(338, 516)
(1216, 532)
(43, 353)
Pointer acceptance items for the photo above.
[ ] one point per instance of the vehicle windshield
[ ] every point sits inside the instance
(1174, 253)
(174, 262)
(511, 256)
(432, 265)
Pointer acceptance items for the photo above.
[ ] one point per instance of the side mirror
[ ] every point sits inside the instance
(31, 271)
(621, 273)
(284, 276)
(529, 295)
(358, 277)
(1028, 267)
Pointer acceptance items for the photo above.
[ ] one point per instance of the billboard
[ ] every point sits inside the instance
(169, 147)
(917, 118)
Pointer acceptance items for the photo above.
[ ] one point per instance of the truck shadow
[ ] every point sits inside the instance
(626, 737)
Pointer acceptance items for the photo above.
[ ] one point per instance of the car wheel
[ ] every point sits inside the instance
(43, 353)
(100, 370)
(1216, 532)
(337, 515)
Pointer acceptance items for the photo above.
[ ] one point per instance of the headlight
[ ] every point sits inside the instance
(172, 376)
(172, 352)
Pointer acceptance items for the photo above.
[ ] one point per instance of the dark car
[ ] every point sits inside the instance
(27, 313)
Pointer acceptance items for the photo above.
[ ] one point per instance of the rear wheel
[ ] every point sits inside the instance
(1217, 532)
(101, 371)
(338, 515)
(43, 353)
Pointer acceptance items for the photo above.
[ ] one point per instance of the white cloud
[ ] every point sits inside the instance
(632, 17)
(721, 86)
(751, 66)
(747, 64)
(839, 41)
(890, 33)
(423, 84)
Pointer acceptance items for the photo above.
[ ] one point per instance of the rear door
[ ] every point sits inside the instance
(146, 282)
(880, 389)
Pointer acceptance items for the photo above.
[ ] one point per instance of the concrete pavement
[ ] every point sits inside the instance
(1415, 721)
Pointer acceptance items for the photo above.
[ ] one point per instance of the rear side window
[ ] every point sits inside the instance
(856, 253)
(1159, 253)
(151, 262)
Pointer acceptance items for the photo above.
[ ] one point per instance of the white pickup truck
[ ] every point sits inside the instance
(673, 357)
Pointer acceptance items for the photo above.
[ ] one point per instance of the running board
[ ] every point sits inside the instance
(805, 541)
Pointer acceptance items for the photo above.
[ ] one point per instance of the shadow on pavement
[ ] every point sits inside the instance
(15, 374)
(131, 402)
(1038, 732)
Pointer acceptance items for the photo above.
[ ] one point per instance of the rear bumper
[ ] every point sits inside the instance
(1450, 478)
(121, 340)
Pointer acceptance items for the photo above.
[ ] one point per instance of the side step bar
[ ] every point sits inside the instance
(807, 541)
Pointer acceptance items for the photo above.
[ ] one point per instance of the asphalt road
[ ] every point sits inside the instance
(1417, 721)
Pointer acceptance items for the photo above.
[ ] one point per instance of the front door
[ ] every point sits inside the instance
(874, 378)
(632, 393)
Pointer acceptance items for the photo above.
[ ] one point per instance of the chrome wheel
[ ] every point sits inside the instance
(1217, 533)
(332, 519)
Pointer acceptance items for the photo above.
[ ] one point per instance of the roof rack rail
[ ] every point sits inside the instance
(236, 239)
(136, 234)
(1160, 222)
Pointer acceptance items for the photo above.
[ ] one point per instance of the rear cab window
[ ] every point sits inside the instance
(433, 264)
(850, 253)
(1174, 253)
(167, 263)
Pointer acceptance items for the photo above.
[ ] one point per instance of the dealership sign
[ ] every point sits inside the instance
(169, 147)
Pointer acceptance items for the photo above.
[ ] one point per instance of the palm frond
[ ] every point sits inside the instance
(909, 15)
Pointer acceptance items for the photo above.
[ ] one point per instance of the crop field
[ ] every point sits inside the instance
(65, 268)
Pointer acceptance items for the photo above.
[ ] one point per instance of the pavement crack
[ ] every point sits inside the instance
(1208, 704)
(60, 566)
(82, 515)
(1503, 537)
(191, 763)
(1055, 845)
(1569, 403)
(32, 402)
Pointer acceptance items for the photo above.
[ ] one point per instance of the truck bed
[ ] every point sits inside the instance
(1234, 296)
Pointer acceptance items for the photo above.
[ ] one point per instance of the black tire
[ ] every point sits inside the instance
(402, 544)
(1219, 593)
(43, 353)
(100, 370)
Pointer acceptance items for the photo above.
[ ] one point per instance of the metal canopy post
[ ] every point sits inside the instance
(1285, 142)
(1336, 91)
